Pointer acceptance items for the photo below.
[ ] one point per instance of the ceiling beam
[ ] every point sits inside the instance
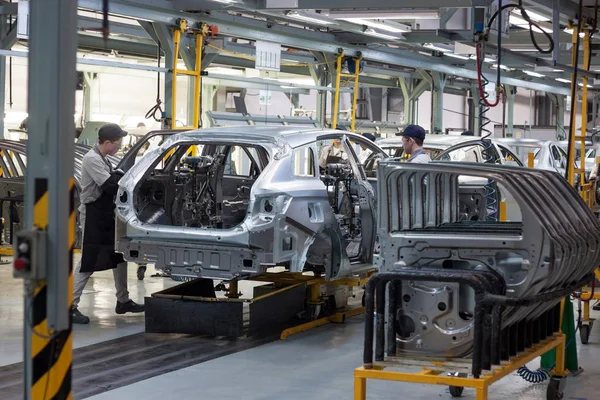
(230, 25)
(382, 4)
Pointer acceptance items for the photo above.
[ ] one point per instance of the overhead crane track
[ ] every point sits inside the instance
(106, 366)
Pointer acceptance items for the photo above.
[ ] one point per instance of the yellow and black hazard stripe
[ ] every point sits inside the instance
(51, 352)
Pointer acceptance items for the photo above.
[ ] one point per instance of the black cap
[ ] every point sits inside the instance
(370, 136)
(414, 131)
(467, 133)
(110, 132)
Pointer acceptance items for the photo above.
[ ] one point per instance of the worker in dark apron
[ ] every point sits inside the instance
(413, 137)
(99, 185)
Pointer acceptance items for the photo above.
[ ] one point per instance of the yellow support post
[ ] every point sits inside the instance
(571, 175)
(530, 159)
(196, 73)
(584, 95)
(336, 96)
(355, 97)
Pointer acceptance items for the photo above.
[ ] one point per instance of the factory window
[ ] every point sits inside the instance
(304, 162)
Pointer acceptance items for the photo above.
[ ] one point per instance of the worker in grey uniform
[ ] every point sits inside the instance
(413, 137)
(99, 184)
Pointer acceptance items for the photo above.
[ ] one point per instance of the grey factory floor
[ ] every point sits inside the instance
(317, 364)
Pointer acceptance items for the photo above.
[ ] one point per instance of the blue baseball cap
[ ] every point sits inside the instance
(414, 131)
(369, 136)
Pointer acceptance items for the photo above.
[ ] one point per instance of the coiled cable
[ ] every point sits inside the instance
(540, 375)
(490, 197)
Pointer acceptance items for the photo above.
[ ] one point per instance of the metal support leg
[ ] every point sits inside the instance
(406, 86)
(510, 110)
(49, 197)
(560, 117)
(476, 111)
(360, 388)
(6, 46)
(437, 115)
(2, 93)
(91, 91)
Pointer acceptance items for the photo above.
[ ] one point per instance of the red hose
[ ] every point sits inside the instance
(480, 83)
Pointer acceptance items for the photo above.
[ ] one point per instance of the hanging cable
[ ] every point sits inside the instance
(157, 107)
(532, 25)
(573, 116)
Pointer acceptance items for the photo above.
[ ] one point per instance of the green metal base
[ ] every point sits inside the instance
(568, 328)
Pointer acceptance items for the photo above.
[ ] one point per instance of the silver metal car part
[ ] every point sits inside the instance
(556, 243)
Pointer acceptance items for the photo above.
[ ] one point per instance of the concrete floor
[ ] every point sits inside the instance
(317, 364)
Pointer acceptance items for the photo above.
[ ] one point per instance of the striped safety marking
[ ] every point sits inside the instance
(51, 358)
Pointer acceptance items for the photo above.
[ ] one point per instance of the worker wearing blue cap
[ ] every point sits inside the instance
(365, 152)
(413, 137)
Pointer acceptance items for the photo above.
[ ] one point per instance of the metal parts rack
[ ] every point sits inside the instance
(496, 352)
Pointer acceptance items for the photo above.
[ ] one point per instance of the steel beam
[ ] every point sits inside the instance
(510, 110)
(91, 92)
(568, 9)
(94, 42)
(560, 117)
(445, 15)
(230, 25)
(84, 23)
(8, 41)
(437, 98)
(49, 197)
(382, 4)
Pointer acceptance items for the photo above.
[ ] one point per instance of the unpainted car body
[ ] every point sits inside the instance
(228, 203)
(456, 148)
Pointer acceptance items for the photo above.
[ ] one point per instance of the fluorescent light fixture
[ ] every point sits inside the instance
(309, 18)
(503, 67)
(570, 32)
(520, 22)
(531, 73)
(489, 60)
(457, 56)
(372, 32)
(563, 80)
(405, 15)
(589, 86)
(534, 16)
(379, 25)
(438, 48)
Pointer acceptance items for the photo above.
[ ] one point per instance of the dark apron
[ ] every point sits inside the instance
(98, 247)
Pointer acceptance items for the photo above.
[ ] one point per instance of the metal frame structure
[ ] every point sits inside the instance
(196, 73)
(354, 77)
(50, 214)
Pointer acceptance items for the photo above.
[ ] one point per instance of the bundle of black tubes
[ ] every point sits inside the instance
(491, 343)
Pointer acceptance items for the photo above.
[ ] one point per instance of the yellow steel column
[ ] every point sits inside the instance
(360, 388)
(584, 96)
(336, 96)
(572, 124)
(355, 96)
(530, 159)
(176, 40)
(198, 79)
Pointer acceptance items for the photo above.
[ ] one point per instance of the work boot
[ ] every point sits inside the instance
(129, 306)
(78, 318)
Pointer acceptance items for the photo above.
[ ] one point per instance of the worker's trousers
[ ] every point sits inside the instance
(81, 278)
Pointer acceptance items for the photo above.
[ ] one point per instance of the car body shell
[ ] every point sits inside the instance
(289, 220)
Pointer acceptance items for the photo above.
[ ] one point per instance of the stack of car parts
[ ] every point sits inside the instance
(453, 286)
